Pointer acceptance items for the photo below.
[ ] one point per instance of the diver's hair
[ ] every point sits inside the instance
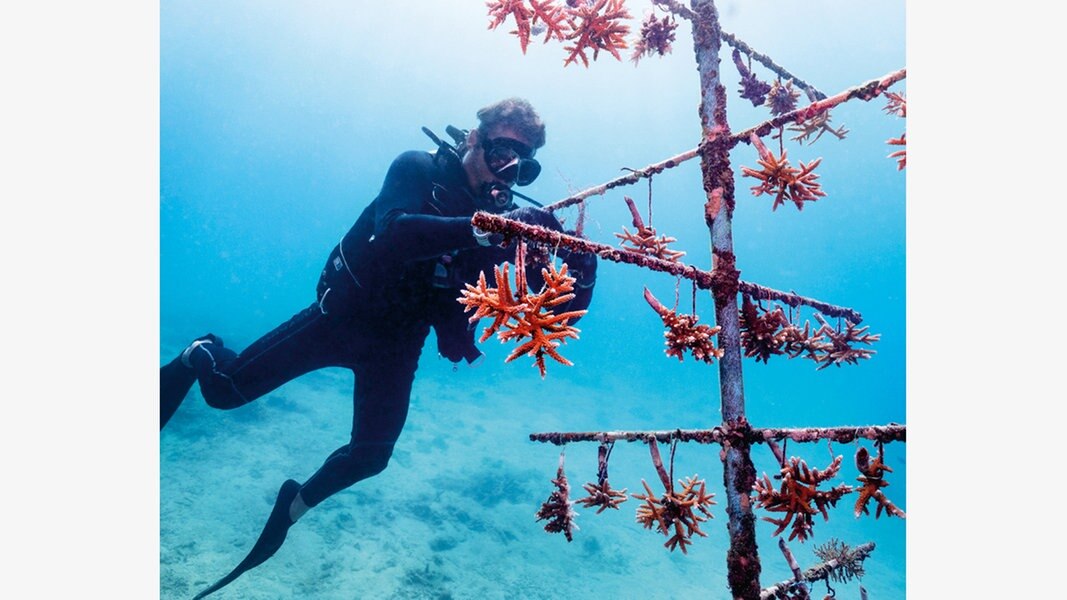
(517, 114)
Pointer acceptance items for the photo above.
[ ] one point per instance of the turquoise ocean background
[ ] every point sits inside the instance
(278, 121)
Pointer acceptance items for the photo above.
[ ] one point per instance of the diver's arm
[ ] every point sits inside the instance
(418, 237)
(401, 224)
(581, 266)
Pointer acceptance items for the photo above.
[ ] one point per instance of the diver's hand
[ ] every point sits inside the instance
(582, 267)
(486, 238)
(532, 215)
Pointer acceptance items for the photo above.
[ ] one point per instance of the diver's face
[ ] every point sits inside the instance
(502, 158)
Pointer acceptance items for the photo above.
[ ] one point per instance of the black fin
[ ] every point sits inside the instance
(175, 381)
(270, 539)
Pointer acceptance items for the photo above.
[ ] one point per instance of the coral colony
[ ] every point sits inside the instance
(683, 334)
(782, 181)
(601, 495)
(752, 89)
(674, 510)
(656, 37)
(644, 240)
(797, 494)
(745, 327)
(520, 315)
(557, 509)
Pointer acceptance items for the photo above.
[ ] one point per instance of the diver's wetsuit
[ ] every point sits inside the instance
(395, 274)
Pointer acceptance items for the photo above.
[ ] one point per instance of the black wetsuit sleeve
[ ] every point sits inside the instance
(404, 221)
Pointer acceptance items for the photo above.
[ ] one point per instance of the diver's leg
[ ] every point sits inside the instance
(228, 380)
(382, 393)
(381, 399)
(332, 345)
(177, 377)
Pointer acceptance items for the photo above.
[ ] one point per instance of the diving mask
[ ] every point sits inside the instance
(511, 161)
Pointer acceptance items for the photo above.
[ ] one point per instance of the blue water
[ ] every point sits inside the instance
(278, 121)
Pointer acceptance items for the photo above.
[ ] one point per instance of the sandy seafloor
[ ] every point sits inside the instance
(277, 124)
(453, 515)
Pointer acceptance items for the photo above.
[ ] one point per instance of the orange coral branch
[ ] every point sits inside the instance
(518, 315)
(872, 472)
(840, 350)
(600, 494)
(596, 26)
(557, 509)
(527, 17)
(674, 510)
(644, 240)
(783, 181)
(766, 333)
(900, 155)
(683, 334)
(896, 104)
(798, 496)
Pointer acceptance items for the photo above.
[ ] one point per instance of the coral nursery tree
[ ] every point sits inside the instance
(744, 327)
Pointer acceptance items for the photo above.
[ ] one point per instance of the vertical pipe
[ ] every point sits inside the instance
(739, 474)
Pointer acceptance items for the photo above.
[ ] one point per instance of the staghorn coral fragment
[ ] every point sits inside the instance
(601, 495)
(900, 155)
(849, 562)
(798, 496)
(519, 315)
(499, 302)
(896, 104)
(557, 509)
(644, 241)
(539, 15)
(597, 26)
(674, 510)
(781, 180)
(817, 125)
(684, 335)
(752, 89)
(763, 333)
(656, 37)
(782, 98)
(840, 348)
(871, 476)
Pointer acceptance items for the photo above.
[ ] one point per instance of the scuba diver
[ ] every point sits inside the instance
(394, 275)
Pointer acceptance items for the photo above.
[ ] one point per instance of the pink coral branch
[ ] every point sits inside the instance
(657, 461)
(637, 220)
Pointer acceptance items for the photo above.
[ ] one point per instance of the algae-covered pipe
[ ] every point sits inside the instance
(739, 474)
